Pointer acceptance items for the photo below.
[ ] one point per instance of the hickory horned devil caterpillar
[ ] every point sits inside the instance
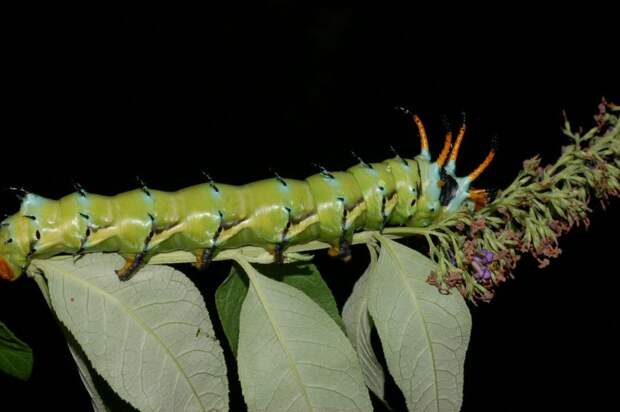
(273, 214)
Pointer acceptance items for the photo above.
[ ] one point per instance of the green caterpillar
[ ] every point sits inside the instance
(272, 213)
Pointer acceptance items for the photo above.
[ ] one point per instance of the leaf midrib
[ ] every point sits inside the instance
(415, 301)
(250, 272)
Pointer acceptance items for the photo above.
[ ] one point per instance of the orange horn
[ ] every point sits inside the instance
(487, 160)
(446, 148)
(457, 144)
(422, 131)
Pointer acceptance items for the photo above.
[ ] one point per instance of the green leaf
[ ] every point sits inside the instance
(229, 297)
(292, 355)
(359, 326)
(149, 337)
(303, 276)
(15, 356)
(424, 334)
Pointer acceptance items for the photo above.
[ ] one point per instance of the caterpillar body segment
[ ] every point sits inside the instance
(207, 218)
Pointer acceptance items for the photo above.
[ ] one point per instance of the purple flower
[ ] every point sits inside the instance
(480, 262)
(487, 255)
(482, 272)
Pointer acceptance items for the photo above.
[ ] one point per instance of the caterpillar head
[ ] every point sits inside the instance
(440, 191)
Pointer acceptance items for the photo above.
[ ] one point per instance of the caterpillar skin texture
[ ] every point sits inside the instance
(272, 213)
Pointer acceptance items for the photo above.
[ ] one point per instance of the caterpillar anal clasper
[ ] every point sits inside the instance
(272, 213)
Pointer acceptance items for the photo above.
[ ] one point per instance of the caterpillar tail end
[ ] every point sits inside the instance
(6, 272)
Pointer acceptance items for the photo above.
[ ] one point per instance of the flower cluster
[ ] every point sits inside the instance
(476, 251)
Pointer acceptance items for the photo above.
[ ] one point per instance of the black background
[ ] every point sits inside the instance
(100, 96)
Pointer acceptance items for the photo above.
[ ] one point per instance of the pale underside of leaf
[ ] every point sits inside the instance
(307, 278)
(86, 375)
(84, 368)
(149, 337)
(304, 276)
(359, 326)
(292, 356)
(424, 334)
